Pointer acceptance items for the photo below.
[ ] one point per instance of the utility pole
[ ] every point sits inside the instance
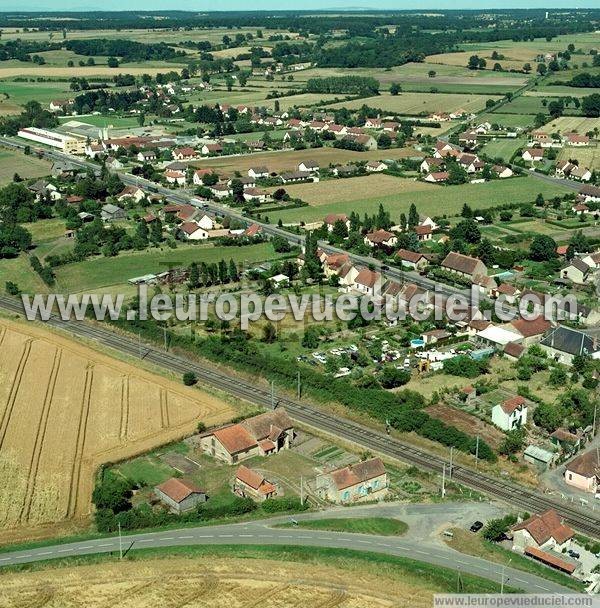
(301, 490)
(444, 481)
(272, 395)
(477, 452)
(450, 471)
(165, 337)
(299, 390)
(140, 342)
(120, 542)
(594, 423)
(502, 581)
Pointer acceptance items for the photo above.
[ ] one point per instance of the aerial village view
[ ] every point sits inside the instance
(299, 306)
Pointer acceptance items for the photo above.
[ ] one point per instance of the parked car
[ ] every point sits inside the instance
(573, 554)
(476, 526)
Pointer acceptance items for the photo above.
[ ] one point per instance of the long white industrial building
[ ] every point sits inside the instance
(66, 143)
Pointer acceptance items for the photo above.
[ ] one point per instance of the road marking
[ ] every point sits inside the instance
(145, 540)
(104, 545)
(86, 547)
(167, 538)
(184, 537)
(365, 542)
(250, 536)
(4, 559)
(305, 537)
(45, 553)
(286, 536)
(206, 536)
(225, 535)
(324, 538)
(421, 552)
(64, 550)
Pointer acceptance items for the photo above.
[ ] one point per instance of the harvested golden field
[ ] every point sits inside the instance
(288, 160)
(216, 582)
(353, 189)
(80, 72)
(417, 103)
(65, 409)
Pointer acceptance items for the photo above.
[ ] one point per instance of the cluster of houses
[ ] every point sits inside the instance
(433, 168)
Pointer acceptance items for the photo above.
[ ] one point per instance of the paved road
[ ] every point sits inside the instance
(261, 532)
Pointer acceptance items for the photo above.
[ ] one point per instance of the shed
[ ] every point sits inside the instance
(539, 457)
(180, 495)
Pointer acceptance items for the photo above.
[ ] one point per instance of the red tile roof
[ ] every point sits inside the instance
(535, 327)
(254, 480)
(510, 405)
(179, 489)
(235, 438)
(550, 559)
(546, 526)
(357, 473)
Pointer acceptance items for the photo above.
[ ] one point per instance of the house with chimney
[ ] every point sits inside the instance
(249, 483)
(260, 435)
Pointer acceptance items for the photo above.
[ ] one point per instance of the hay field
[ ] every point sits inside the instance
(572, 124)
(416, 103)
(65, 410)
(12, 162)
(216, 582)
(353, 189)
(289, 160)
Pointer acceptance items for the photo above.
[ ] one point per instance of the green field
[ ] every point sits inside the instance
(116, 122)
(105, 272)
(420, 103)
(381, 526)
(530, 105)
(512, 121)
(503, 148)
(14, 94)
(26, 166)
(438, 201)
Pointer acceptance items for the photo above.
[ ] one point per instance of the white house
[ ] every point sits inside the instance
(308, 165)
(175, 177)
(533, 155)
(374, 166)
(192, 232)
(206, 221)
(258, 172)
(510, 414)
(368, 282)
(381, 238)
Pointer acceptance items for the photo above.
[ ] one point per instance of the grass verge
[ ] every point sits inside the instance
(382, 526)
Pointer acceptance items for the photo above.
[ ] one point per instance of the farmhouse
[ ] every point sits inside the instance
(258, 436)
(220, 190)
(583, 472)
(147, 156)
(256, 195)
(510, 414)
(545, 531)
(468, 139)
(252, 484)
(424, 232)
(582, 174)
(444, 149)
(464, 265)
(175, 177)
(502, 171)
(530, 331)
(180, 495)
(590, 193)
(576, 271)
(358, 482)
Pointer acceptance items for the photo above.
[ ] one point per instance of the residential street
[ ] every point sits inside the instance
(421, 542)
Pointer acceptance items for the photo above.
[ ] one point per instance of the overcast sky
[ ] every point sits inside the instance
(200, 5)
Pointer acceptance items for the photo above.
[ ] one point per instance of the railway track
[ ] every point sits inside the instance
(371, 439)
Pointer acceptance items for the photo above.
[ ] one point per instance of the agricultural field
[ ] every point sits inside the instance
(529, 104)
(572, 124)
(353, 189)
(435, 201)
(14, 94)
(226, 577)
(289, 160)
(510, 121)
(419, 103)
(27, 167)
(64, 411)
